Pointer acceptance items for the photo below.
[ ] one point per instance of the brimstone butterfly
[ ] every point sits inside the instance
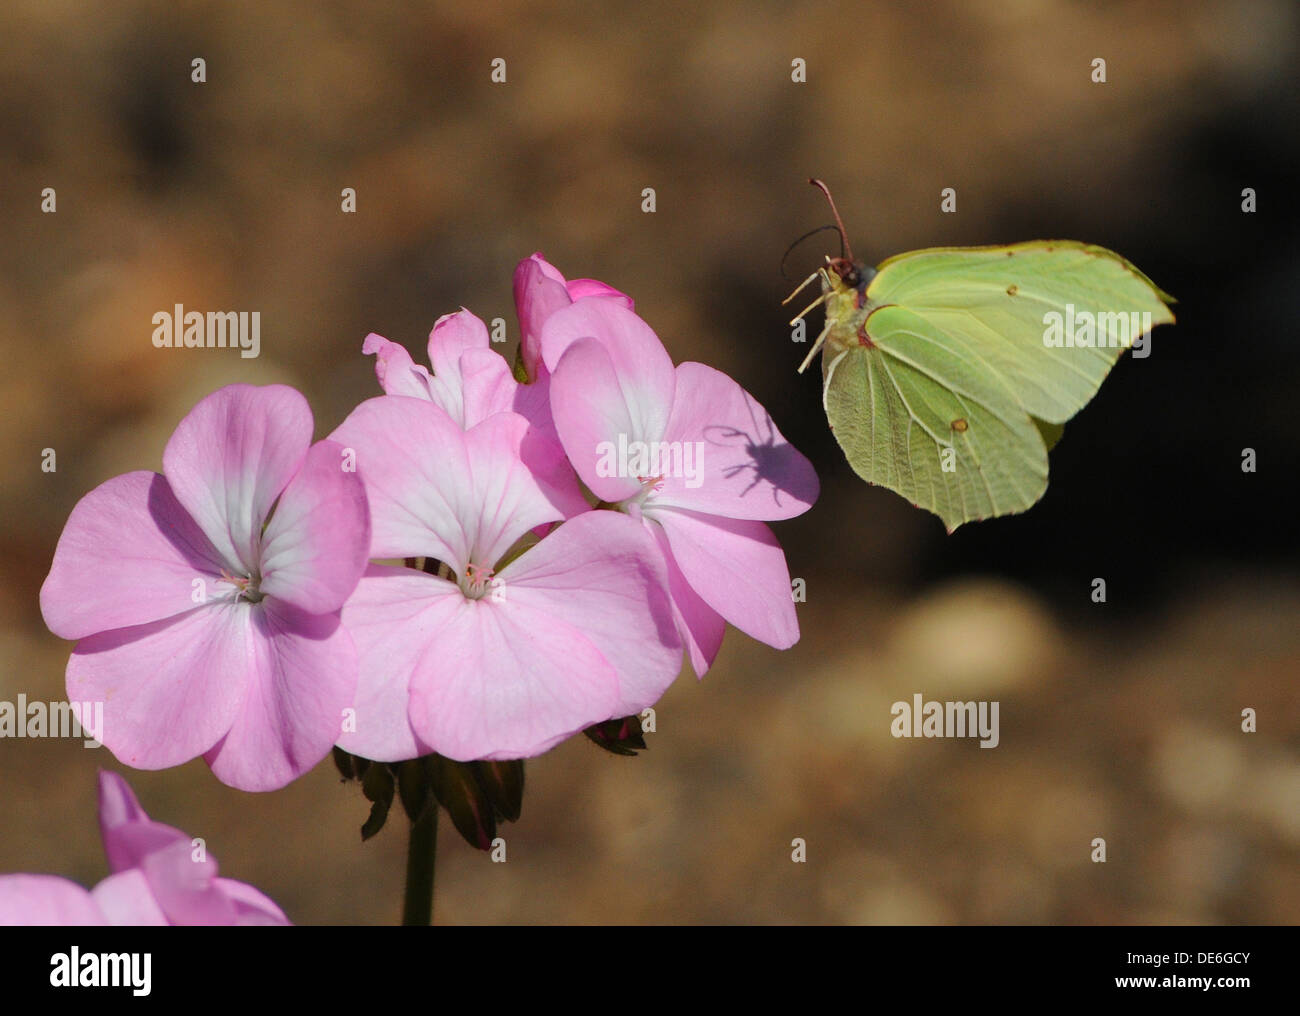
(949, 372)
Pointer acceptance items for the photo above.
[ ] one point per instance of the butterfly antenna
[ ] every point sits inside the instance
(812, 232)
(845, 250)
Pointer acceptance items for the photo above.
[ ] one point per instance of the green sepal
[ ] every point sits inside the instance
(378, 786)
(503, 782)
(460, 792)
(621, 737)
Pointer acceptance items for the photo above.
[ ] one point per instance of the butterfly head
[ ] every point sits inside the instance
(851, 274)
(844, 282)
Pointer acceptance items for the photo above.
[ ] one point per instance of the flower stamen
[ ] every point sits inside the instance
(245, 587)
(476, 581)
(649, 485)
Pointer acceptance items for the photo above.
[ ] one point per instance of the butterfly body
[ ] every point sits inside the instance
(847, 310)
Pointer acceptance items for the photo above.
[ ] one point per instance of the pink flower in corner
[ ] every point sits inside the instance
(206, 600)
(497, 656)
(157, 876)
(691, 453)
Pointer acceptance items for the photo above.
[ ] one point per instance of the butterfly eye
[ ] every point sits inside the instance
(847, 271)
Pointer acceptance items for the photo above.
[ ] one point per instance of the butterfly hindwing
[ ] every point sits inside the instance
(921, 412)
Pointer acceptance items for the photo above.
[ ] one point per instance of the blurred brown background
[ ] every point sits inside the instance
(1119, 720)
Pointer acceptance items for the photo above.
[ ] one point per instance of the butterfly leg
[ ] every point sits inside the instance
(816, 348)
(820, 300)
(802, 286)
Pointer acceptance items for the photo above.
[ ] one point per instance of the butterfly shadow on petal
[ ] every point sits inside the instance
(765, 456)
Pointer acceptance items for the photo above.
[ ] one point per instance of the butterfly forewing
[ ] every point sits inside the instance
(997, 301)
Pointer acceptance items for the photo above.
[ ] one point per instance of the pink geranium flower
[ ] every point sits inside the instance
(498, 656)
(159, 875)
(206, 600)
(691, 453)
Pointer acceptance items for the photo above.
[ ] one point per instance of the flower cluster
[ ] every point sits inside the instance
(567, 529)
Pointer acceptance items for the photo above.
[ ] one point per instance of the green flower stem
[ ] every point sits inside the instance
(421, 858)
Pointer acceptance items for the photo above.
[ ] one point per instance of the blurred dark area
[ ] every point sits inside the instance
(1121, 719)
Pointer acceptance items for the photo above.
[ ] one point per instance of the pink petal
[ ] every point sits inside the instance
(587, 289)
(410, 456)
(542, 451)
(539, 292)
(533, 403)
(181, 880)
(642, 365)
(47, 901)
(700, 626)
(251, 906)
(508, 681)
(737, 568)
(230, 458)
(118, 805)
(394, 617)
(128, 833)
(591, 417)
(303, 674)
(437, 491)
(171, 689)
(547, 269)
(129, 554)
(487, 383)
(742, 467)
(398, 374)
(317, 542)
(127, 900)
(505, 500)
(452, 336)
(603, 574)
